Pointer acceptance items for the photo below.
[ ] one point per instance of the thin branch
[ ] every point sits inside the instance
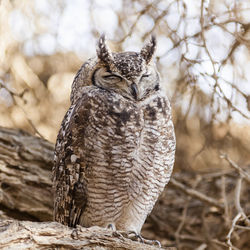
(228, 237)
(184, 214)
(196, 194)
(224, 196)
(237, 201)
(243, 173)
(223, 244)
(20, 95)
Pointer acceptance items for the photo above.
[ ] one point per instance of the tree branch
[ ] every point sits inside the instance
(53, 235)
(25, 169)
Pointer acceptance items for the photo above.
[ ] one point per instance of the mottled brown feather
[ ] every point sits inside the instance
(115, 150)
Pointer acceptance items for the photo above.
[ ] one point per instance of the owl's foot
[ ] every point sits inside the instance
(74, 234)
(115, 233)
(132, 235)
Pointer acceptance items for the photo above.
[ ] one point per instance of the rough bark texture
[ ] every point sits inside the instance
(25, 170)
(53, 235)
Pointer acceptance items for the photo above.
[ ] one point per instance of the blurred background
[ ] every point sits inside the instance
(203, 56)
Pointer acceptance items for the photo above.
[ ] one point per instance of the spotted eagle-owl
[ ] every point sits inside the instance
(115, 150)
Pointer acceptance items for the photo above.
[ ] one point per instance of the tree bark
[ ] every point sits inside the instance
(53, 235)
(25, 176)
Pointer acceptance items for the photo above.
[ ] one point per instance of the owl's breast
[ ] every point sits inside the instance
(125, 150)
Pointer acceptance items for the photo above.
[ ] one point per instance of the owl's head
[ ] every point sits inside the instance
(130, 74)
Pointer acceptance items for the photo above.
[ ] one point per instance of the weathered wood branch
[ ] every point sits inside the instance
(53, 235)
(25, 170)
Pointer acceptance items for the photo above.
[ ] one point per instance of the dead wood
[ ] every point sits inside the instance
(53, 235)
(25, 170)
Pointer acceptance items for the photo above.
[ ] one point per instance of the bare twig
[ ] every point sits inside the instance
(196, 194)
(223, 244)
(224, 196)
(184, 213)
(243, 173)
(20, 95)
(237, 201)
(228, 237)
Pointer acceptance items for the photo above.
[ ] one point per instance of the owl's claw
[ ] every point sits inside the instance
(74, 234)
(118, 234)
(157, 242)
(151, 242)
(135, 236)
(114, 233)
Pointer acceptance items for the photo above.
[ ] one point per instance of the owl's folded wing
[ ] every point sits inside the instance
(68, 175)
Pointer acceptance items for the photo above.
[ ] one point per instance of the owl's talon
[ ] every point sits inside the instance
(74, 234)
(132, 235)
(138, 236)
(157, 242)
(151, 242)
(117, 234)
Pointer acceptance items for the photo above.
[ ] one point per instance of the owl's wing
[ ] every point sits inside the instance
(68, 172)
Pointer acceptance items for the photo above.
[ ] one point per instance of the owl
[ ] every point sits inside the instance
(116, 147)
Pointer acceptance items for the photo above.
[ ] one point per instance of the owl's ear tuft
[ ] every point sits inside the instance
(148, 49)
(103, 51)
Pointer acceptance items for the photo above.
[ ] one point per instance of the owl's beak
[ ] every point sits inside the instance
(135, 91)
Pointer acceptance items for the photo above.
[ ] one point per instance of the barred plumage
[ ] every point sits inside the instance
(115, 149)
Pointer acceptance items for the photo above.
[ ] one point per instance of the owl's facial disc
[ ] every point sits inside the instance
(111, 81)
(135, 89)
(131, 74)
(148, 82)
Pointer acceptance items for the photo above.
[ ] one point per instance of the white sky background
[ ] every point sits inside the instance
(70, 29)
